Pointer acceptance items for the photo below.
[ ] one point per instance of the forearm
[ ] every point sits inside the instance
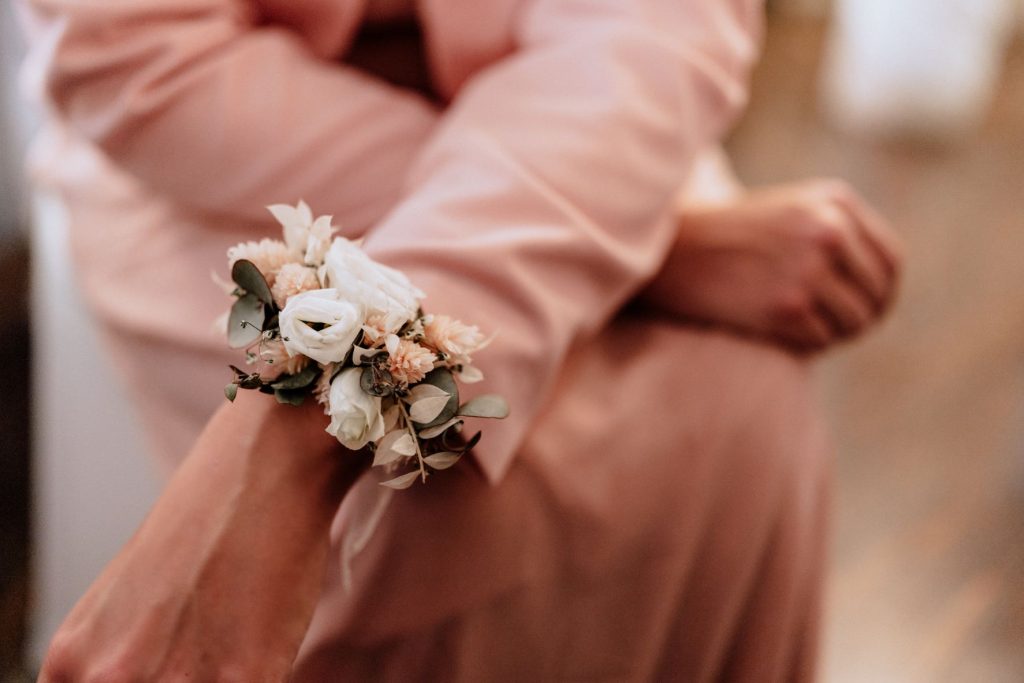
(805, 265)
(267, 480)
(221, 579)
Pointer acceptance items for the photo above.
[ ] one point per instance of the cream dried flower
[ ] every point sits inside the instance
(307, 237)
(322, 388)
(375, 330)
(292, 279)
(277, 362)
(454, 339)
(408, 361)
(268, 255)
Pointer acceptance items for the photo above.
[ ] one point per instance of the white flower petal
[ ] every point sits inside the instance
(355, 415)
(391, 343)
(340, 322)
(286, 215)
(381, 290)
(304, 212)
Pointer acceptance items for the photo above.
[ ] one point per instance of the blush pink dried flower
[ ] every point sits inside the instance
(409, 362)
(292, 279)
(452, 337)
(375, 330)
(275, 361)
(267, 255)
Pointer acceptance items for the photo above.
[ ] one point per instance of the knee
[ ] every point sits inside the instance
(768, 402)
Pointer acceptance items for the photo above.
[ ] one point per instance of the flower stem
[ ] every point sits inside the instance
(415, 440)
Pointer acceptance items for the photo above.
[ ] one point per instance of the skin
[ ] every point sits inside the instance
(805, 265)
(220, 581)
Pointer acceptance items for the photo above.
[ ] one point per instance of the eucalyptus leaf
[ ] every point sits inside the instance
(442, 460)
(393, 447)
(431, 432)
(376, 381)
(469, 374)
(487, 405)
(294, 397)
(252, 381)
(402, 482)
(422, 391)
(359, 354)
(442, 379)
(231, 391)
(299, 380)
(247, 276)
(406, 445)
(426, 409)
(473, 440)
(391, 414)
(366, 380)
(245, 323)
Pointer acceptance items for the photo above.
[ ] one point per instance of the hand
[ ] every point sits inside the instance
(806, 265)
(220, 581)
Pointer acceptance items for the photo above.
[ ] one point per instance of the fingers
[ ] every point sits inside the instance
(809, 333)
(878, 244)
(844, 308)
(833, 311)
(880, 234)
(855, 261)
(799, 322)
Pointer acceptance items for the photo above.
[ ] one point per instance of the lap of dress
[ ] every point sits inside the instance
(664, 521)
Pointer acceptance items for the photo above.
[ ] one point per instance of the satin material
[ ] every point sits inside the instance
(652, 507)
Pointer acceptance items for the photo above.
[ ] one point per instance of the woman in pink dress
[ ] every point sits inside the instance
(652, 509)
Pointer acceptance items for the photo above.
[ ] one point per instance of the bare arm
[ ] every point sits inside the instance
(806, 265)
(220, 581)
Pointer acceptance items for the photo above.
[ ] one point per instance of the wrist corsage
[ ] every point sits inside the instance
(316, 315)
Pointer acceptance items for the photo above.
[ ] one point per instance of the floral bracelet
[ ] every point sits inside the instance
(316, 315)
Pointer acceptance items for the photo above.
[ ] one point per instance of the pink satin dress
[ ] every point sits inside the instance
(653, 509)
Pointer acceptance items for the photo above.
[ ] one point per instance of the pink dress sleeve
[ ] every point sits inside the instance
(209, 105)
(540, 205)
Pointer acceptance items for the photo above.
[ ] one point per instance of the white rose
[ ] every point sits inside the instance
(305, 237)
(355, 415)
(340, 321)
(381, 290)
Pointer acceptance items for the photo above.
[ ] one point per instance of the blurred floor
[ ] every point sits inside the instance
(928, 558)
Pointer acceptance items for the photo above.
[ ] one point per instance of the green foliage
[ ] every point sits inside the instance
(299, 380)
(488, 405)
(245, 323)
(442, 379)
(294, 397)
(376, 380)
(247, 276)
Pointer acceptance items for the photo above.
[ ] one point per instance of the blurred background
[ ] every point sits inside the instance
(919, 104)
